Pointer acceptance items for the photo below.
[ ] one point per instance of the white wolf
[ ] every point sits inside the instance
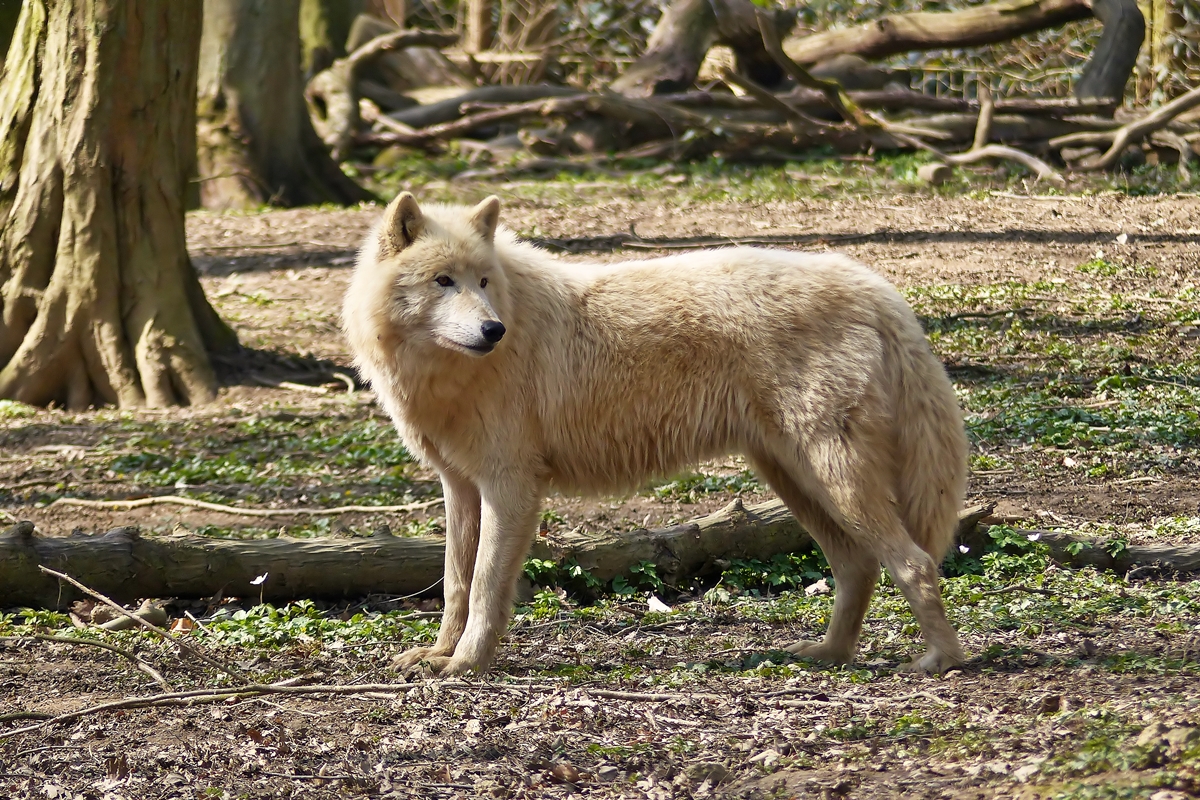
(509, 373)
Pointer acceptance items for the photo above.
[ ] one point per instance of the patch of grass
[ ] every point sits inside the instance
(688, 488)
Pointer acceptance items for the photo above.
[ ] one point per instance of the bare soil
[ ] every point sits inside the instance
(278, 278)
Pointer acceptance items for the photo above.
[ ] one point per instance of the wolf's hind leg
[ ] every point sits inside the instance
(855, 569)
(858, 484)
(462, 544)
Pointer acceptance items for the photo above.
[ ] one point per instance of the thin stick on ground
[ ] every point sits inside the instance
(182, 645)
(127, 505)
(138, 662)
(211, 695)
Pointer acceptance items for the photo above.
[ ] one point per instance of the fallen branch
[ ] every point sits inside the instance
(332, 94)
(150, 626)
(195, 696)
(831, 90)
(899, 33)
(127, 566)
(170, 499)
(154, 674)
(1131, 133)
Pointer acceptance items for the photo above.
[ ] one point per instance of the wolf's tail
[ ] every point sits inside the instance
(931, 445)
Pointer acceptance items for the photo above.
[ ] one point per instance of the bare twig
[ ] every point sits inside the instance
(126, 505)
(209, 696)
(182, 645)
(138, 662)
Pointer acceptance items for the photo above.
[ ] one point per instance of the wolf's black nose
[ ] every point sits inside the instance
(493, 330)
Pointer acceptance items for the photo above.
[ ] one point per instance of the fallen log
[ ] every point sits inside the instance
(127, 566)
(934, 30)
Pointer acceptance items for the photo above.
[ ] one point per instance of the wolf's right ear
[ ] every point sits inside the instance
(402, 224)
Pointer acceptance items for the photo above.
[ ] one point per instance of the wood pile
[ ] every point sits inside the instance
(776, 100)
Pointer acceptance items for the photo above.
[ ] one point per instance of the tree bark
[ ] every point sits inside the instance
(324, 28)
(682, 38)
(126, 567)
(1115, 56)
(256, 142)
(924, 30)
(99, 302)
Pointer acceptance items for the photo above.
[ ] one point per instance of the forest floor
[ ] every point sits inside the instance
(1071, 327)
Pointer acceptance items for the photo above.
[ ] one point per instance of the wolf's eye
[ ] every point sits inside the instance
(483, 284)
(444, 280)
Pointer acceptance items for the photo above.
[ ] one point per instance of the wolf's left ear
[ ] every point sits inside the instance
(402, 224)
(485, 217)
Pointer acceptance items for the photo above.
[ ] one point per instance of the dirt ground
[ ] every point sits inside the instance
(626, 705)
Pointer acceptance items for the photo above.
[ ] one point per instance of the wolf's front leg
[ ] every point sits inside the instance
(462, 542)
(509, 517)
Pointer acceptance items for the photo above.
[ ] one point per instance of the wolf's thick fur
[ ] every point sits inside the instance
(607, 375)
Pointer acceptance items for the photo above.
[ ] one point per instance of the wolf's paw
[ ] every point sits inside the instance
(415, 655)
(934, 662)
(820, 651)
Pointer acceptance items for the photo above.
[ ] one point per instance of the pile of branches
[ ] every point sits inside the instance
(765, 107)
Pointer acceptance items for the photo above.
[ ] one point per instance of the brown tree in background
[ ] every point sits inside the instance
(256, 141)
(98, 299)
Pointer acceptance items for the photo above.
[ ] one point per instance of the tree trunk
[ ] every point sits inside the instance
(99, 301)
(925, 30)
(324, 28)
(683, 36)
(1113, 60)
(256, 142)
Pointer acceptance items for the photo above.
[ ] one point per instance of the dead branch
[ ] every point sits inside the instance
(1131, 133)
(832, 91)
(138, 662)
(770, 100)
(980, 150)
(900, 33)
(127, 505)
(332, 94)
(987, 109)
(150, 626)
(196, 696)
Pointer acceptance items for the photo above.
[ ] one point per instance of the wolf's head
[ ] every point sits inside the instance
(429, 279)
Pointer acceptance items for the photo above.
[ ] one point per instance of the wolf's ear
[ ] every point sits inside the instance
(485, 216)
(402, 224)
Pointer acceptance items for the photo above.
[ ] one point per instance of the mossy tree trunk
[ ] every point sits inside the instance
(99, 302)
(256, 142)
(324, 28)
